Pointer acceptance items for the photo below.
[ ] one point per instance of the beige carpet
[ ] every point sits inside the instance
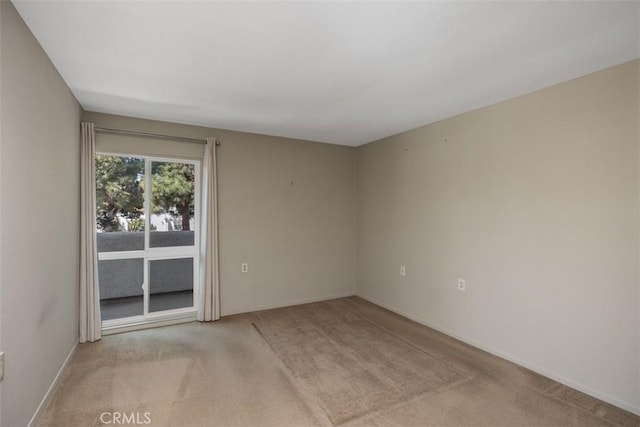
(339, 362)
(352, 366)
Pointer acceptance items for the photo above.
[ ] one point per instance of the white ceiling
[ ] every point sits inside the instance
(338, 72)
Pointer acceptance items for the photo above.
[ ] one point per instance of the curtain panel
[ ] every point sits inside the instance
(209, 301)
(90, 327)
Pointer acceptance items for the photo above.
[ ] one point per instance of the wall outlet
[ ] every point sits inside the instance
(1, 365)
(244, 267)
(403, 270)
(462, 284)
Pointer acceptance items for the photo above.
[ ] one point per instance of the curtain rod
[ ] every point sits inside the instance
(152, 135)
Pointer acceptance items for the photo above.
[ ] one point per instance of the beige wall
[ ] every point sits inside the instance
(286, 207)
(39, 176)
(534, 201)
(1, 205)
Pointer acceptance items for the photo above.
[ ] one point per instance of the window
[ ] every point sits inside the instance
(147, 237)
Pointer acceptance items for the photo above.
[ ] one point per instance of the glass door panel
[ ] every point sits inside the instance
(146, 225)
(120, 228)
(170, 284)
(172, 204)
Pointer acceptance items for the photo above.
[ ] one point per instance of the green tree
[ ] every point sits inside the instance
(137, 224)
(172, 190)
(118, 190)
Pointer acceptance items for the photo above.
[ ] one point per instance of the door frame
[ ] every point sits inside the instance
(166, 317)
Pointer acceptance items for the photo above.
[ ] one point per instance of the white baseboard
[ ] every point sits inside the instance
(288, 304)
(52, 387)
(542, 371)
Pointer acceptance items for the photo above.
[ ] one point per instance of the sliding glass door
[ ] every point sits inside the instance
(147, 237)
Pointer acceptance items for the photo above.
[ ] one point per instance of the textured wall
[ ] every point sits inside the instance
(39, 175)
(534, 201)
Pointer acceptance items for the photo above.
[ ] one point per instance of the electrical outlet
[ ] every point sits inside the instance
(462, 284)
(403, 270)
(245, 267)
(1, 365)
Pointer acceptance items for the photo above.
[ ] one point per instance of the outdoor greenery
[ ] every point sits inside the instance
(137, 224)
(120, 191)
(172, 190)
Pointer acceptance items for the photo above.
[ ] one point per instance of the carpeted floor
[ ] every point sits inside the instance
(338, 362)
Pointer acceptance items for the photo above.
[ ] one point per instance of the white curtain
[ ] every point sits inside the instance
(209, 302)
(89, 292)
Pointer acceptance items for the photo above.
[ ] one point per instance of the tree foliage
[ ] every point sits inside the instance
(120, 191)
(172, 190)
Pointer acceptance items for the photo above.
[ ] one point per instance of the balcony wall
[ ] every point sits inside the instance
(124, 278)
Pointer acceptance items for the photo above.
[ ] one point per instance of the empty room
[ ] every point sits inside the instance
(319, 213)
